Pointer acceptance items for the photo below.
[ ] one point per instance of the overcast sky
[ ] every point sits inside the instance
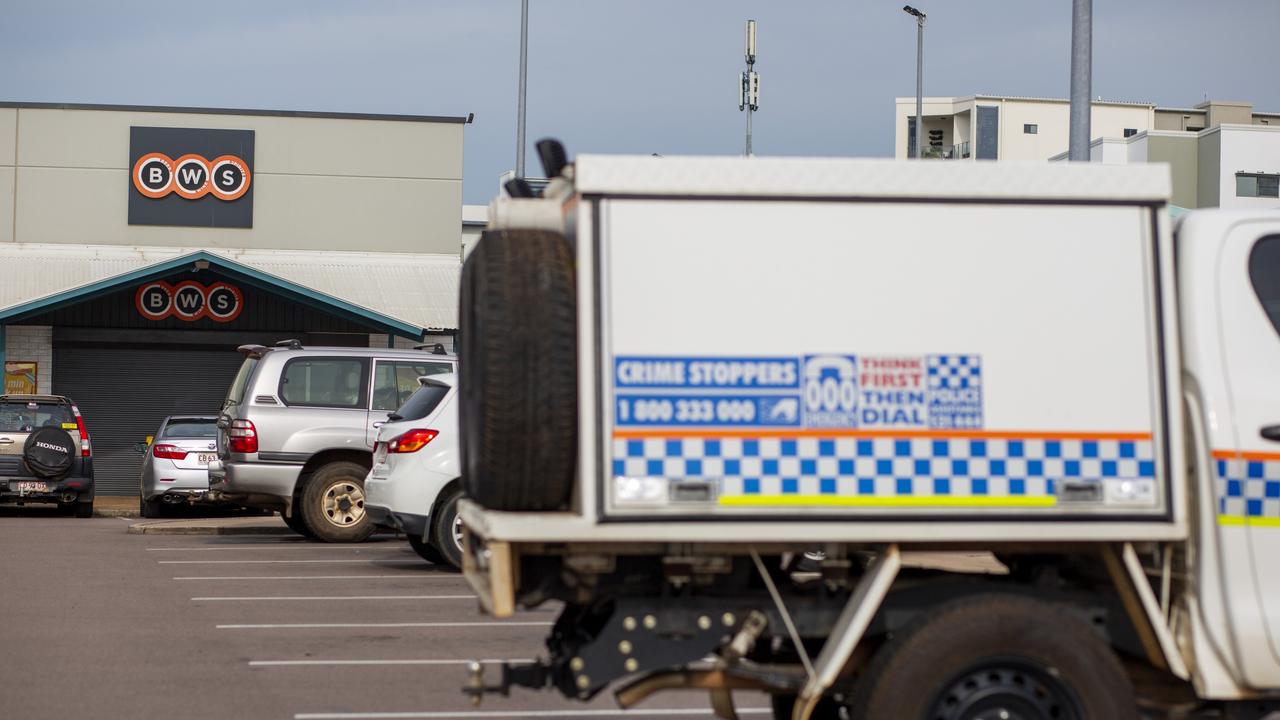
(635, 77)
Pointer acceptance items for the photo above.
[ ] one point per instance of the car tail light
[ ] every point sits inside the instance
(168, 452)
(85, 449)
(412, 441)
(242, 437)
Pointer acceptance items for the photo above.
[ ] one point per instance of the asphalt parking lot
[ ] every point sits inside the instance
(97, 623)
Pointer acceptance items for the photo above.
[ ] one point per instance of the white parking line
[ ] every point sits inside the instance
(339, 597)
(291, 626)
(518, 714)
(289, 562)
(289, 663)
(402, 576)
(396, 547)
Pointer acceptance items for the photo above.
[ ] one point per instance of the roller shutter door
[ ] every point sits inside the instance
(124, 393)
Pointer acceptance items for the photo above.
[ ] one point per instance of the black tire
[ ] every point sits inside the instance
(443, 529)
(987, 652)
(49, 452)
(427, 551)
(333, 503)
(519, 371)
(84, 509)
(295, 522)
(150, 508)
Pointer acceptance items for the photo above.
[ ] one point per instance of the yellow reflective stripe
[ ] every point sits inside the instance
(891, 501)
(1238, 520)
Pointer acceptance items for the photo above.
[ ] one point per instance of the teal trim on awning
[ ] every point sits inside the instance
(235, 270)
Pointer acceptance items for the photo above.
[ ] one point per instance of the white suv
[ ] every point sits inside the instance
(414, 484)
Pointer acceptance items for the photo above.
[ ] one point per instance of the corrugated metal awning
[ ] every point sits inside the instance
(402, 292)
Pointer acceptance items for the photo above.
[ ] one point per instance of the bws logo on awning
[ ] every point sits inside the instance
(191, 176)
(189, 301)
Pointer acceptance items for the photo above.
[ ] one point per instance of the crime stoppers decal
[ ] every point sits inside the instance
(813, 391)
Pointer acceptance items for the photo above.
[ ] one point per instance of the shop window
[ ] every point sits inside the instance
(324, 382)
(1030, 129)
(1263, 185)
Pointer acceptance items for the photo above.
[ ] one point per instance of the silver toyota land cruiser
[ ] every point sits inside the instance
(296, 431)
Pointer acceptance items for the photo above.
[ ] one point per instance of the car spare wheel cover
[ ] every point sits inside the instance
(49, 452)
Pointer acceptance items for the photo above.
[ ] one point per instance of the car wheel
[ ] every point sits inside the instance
(296, 523)
(989, 656)
(519, 371)
(333, 503)
(427, 551)
(84, 509)
(150, 508)
(446, 530)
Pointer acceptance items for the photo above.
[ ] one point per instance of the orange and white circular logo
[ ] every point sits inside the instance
(229, 177)
(153, 175)
(191, 177)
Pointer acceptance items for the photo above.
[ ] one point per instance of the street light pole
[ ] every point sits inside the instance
(524, 55)
(749, 83)
(919, 16)
(1081, 79)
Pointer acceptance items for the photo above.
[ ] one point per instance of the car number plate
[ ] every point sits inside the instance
(206, 458)
(32, 487)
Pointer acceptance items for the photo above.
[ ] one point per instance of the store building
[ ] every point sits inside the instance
(139, 246)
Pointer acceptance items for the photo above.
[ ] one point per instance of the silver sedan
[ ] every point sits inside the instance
(176, 466)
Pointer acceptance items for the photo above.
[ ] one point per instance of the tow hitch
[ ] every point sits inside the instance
(535, 675)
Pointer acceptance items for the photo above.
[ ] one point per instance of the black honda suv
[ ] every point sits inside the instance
(45, 456)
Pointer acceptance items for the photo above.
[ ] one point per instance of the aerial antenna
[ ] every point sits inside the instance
(749, 83)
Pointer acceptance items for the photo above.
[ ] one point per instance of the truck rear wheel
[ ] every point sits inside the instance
(519, 371)
(990, 656)
(333, 503)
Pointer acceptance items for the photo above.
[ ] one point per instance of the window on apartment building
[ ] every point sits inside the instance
(1030, 129)
(1263, 185)
(1130, 132)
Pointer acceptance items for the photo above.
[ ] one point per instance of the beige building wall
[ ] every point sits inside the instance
(319, 183)
(1182, 155)
(1208, 170)
(1050, 116)
(8, 171)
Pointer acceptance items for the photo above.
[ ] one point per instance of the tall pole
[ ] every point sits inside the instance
(749, 83)
(524, 56)
(919, 134)
(919, 85)
(1081, 79)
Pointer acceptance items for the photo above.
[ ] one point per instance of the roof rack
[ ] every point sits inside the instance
(435, 348)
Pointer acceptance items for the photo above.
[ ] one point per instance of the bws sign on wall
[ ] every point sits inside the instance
(189, 301)
(191, 177)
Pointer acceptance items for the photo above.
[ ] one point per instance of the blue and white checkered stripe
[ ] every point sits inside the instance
(883, 466)
(954, 372)
(1248, 488)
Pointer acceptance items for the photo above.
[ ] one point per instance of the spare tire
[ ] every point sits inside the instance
(518, 371)
(49, 452)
